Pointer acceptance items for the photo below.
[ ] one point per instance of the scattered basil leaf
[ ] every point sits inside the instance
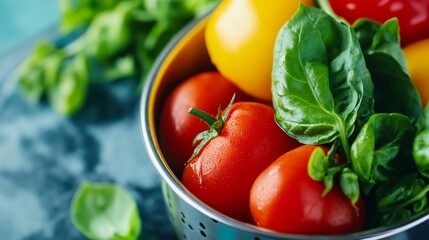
(320, 86)
(421, 152)
(105, 212)
(381, 149)
(349, 183)
(393, 89)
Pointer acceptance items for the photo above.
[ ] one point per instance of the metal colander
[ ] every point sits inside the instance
(184, 56)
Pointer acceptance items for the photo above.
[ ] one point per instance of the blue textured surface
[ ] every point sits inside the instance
(44, 157)
(23, 19)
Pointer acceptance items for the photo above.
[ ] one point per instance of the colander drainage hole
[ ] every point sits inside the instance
(257, 238)
(182, 217)
(215, 221)
(202, 225)
(190, 227)
(184, 236)
(203, 233)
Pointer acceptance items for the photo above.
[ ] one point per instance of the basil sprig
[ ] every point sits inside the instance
(336, 84)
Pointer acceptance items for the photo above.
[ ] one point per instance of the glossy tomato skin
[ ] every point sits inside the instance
(285, 199)
(417, 54)
(240, 38)
(413, 15)
(178, 128)
(222, 174)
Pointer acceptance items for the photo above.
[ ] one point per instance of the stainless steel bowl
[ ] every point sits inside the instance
(184, 56)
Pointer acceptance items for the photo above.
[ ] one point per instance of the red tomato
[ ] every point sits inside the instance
(222, 174)
(285, 199)
(178, 128)
(413, 15)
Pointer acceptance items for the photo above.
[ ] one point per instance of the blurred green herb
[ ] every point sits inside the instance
(118, 39)
(105, 211)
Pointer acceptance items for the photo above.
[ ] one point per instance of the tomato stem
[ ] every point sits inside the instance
(207, 118)
(216, 126)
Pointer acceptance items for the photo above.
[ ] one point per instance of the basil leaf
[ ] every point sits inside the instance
(375, 37)
(318, 164)
(381, 150)
(398, 214)
(423, 122)
(395, 191)
(68, 94)
(393, 89)
(320, 82)
(39, 70)
(78, 13)
(349, 183)
(400, 198)
(105, 211)
(110, 32)
(421, 152)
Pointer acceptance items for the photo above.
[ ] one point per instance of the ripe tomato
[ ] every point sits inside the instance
(416, 55)
(177, 127)
(240, 38)
(284, 198)
(223, 172)
(413, 15)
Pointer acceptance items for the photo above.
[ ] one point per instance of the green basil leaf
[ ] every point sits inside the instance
(68, 94)
(328, 180)
(38, 71)
(168, 9)
(318, 164)
(381, 149)
(420, 205)
(78, 13)
(397, 214)
(365, 30)
(105, 211)
(110, 32)
(421, 152)
(393, 192)
(401, 198)
(423, 122)
(375, 37)
(393, 89)
(320, 82)
(121, 67)
(349, 183)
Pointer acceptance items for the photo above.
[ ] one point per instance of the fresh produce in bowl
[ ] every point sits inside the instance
(345, 94)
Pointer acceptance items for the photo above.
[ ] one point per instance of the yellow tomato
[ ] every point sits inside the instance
(417, 55)
(240, 37)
